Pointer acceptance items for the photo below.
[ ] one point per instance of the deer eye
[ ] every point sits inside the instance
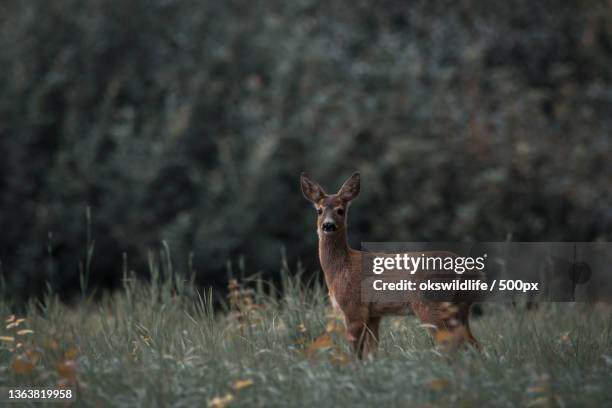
(319, 211)
(340, 211)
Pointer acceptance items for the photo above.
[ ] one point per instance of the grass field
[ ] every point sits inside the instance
(161, 344)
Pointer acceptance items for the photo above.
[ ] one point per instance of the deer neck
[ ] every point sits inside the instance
(333, 253)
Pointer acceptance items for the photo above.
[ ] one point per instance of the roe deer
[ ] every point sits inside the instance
(342, 269)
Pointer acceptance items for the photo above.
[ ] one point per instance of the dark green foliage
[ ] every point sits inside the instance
(190, 122)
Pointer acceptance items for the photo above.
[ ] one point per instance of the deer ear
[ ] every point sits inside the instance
(311, 189)
(350, 188)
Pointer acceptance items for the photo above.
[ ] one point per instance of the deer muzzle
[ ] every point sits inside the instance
(328, 226)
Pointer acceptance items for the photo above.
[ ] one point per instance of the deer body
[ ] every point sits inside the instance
(342, 270)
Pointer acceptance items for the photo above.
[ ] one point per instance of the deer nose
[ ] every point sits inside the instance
(328, 226)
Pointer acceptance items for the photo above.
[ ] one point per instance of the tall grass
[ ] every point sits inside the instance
(161, 343)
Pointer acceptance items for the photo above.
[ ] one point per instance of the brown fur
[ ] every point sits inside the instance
(342, 269)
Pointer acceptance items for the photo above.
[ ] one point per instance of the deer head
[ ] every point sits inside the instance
(331, 209)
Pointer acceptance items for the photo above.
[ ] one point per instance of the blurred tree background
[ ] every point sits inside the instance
(190, 122)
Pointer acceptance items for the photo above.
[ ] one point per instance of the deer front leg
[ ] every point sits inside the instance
(371, 340)
(363, 336)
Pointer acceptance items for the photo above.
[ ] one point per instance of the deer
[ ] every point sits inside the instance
(341, 266)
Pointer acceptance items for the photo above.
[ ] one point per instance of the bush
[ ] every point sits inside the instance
(190, 122)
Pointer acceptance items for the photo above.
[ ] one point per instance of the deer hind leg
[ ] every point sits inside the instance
(464, 310)
(448, 323)
(363, 336)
